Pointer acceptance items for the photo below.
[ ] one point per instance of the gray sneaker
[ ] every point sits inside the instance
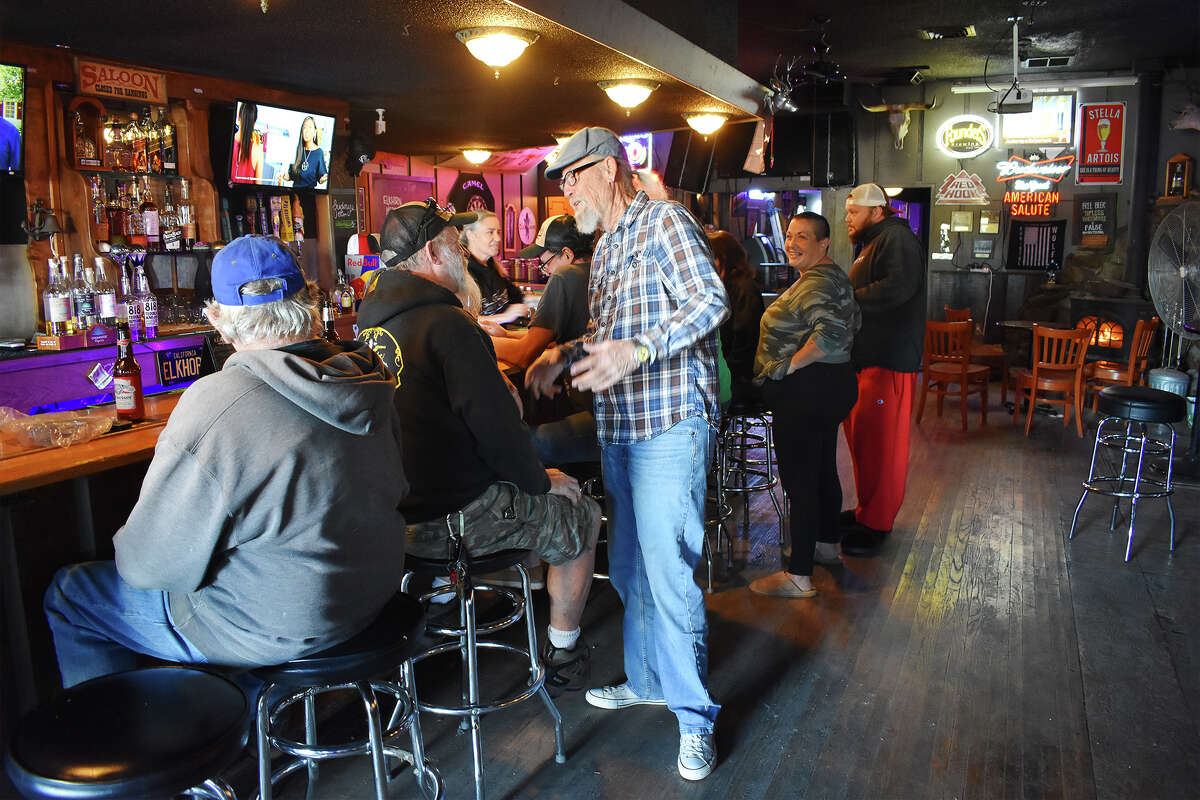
(619, 696)
(697, 755)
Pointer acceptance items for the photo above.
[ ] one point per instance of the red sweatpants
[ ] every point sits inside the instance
(877, 431)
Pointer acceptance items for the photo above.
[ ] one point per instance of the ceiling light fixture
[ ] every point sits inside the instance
(628, 93)
(477, 156)
(892, 191)
(706, 122)
(496, 46)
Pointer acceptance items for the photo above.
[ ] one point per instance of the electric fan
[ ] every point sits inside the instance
(1173, 272)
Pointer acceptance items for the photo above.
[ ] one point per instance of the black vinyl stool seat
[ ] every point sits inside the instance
(464, 638)
(1128, 412)
(385, 646)
(146, 733)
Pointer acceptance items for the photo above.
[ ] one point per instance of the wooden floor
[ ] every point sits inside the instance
(980, 655)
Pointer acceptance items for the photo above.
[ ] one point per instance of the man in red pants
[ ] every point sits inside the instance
(889, 285)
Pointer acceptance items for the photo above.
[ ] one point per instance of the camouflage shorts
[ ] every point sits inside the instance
(505, 518)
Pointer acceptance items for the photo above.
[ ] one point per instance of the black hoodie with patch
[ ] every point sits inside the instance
(460, 428)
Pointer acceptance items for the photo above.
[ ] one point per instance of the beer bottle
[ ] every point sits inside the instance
(328, 315)
(127, 378)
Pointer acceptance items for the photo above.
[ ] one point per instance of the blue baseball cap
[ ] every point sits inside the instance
(254, 258)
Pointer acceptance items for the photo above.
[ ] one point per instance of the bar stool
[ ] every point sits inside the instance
(464, 637)
(147, 733)
(1134, 408)
(742, 474)
(389, 643)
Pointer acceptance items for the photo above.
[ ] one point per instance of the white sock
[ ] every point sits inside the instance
(563, 640)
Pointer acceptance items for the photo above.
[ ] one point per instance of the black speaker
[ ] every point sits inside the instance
(689, 162)
(733, 145)
(791, 147)
(834, 149)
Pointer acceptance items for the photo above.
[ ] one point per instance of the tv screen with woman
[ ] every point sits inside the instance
(284, 147)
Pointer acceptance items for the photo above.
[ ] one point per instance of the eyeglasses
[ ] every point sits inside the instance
(569, 178)
(544, 262)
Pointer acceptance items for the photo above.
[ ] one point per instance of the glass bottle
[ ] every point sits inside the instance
(149, 304)
(127, 378)
(328, 315)
(187, 214)
(116, 219)
(150, 220)
(112, 144)
(172, 232)
(169, 154)
(60, 305)
(85, 301)
(154, 144)
(106, 296)
(99, 219)
(133, 308)
(343, 295)
(137, 140)
(85, 148)
(135, 222)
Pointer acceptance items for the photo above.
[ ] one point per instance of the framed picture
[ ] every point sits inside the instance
(1179, 176)
(962, 221)
(1095, 220)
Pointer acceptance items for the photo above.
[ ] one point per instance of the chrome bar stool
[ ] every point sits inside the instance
(465, 637)
(383, 648)
(742, 473)
(1128, 412)
(156, 732)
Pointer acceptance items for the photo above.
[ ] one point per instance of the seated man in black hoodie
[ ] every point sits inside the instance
(465, 447)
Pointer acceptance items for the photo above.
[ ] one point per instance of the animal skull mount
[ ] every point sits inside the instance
(1188, 119)
(898, 119)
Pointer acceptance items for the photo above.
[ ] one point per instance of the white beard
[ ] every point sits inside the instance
(587, 220)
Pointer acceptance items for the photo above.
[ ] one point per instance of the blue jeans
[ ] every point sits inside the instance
(656, 492)
(567, 441)
(100, 623)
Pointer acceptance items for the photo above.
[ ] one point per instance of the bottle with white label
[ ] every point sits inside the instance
(106, 296)
(60, 305)
(133, 308)
(149, 305)
(127, 378)
(81, 290)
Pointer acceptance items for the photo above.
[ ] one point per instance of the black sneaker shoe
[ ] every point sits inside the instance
(846, 519)
(567, 670)
(862, 541)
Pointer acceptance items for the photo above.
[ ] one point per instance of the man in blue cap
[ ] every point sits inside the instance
(651, 359)
(267, 526)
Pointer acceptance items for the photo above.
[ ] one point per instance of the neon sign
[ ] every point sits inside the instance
(638, 149)
(1031, 204)
(965, 136)
(1048, 169)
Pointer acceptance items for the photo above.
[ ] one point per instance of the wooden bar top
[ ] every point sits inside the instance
(24, 468)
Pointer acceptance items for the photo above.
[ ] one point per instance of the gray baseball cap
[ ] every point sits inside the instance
(594, 144)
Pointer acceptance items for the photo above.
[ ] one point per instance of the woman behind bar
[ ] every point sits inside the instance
(502, 300)
(739, 333)
(803, 365)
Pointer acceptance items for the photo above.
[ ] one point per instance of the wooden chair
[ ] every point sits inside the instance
(1099, 374)
(948, 362)
(1057, 367)
(992, 355)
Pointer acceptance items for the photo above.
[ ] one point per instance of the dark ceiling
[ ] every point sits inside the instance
(402, 55)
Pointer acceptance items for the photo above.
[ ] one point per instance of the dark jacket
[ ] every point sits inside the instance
(460, 426)
(269, 513)
(889, 285)
(498, 291)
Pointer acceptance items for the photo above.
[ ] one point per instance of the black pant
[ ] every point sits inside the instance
(808, 407)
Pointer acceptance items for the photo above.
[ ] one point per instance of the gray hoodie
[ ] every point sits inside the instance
(269, 513)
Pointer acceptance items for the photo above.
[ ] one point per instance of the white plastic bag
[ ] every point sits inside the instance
(60, 429)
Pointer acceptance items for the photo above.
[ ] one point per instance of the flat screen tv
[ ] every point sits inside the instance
(283, 147)
(12, 119)
(1052, 122)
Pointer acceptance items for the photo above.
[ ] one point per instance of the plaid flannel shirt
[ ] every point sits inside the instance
(653, 280)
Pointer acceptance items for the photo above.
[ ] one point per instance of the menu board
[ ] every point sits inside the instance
(1095, 220)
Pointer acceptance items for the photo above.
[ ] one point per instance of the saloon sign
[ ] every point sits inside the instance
(124, 83)
(965, 136)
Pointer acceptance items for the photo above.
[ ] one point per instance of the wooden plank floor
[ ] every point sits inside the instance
(981, 655)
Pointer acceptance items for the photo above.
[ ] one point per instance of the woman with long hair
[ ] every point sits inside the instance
(739, 333)
(502, 300)
(247, 146)
(309, 168)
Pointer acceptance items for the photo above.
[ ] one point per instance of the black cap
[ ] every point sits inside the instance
(411, 226)
(555, 234)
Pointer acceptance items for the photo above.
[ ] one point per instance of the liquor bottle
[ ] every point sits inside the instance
(99, 219)
(328, 315)
(112, 144)
(187, 214)
(125, 148)
(154, 144)
(137, 140)
(150, 221)
(85, 302)
(135, 222)
(106, 296)
(248, 217)
(262, 214)
(85, 148)
(149, 304)
(172, 231)
(116, 219)
(127, 378)
(133, 308)
(169, 152)
(60, 305)
(343, 295)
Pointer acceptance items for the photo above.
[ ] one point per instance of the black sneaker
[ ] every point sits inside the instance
(567, 670)
(846, 519)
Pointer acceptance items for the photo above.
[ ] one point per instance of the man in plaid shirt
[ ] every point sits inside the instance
(650, 356)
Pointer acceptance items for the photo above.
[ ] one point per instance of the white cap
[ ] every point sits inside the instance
(867, 194)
